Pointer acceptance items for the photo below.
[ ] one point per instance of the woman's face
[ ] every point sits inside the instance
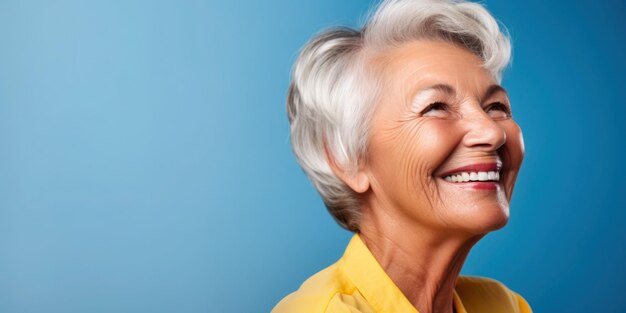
(440, 112)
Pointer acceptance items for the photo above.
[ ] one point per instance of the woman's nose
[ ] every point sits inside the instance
(483, 132)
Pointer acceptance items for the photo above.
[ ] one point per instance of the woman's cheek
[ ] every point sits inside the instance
(518, 145)
(512, 155)
(435, 141)
(440, 138)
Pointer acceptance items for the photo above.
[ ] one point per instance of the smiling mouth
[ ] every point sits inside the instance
(464, 177)
(477, 173)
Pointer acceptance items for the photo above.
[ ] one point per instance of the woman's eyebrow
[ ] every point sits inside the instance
(493, 89)
(424, 93)
(449, 90)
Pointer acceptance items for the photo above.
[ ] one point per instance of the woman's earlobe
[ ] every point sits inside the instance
(362, 182)
(357, 181)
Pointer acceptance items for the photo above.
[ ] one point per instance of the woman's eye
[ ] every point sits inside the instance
(498, 110)
(436, 106)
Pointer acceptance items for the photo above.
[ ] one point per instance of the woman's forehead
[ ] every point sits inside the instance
(430, 58)
(419, 64)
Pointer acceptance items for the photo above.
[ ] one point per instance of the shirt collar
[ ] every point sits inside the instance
(374, 284)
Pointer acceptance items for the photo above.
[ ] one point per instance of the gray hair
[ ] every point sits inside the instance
(332, 92)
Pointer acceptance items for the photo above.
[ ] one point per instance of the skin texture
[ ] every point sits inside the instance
(419, 227)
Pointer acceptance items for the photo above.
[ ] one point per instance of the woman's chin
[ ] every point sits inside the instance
(485, 219)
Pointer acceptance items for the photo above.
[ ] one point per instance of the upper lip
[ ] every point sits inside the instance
(480, 167)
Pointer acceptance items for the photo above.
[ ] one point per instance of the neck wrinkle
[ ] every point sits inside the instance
(423, 263)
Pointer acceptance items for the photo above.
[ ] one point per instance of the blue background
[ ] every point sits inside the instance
(145, 163)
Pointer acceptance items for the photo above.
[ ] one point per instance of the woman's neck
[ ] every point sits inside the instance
(423, 263)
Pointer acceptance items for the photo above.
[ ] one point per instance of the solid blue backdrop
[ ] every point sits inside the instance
(145, 163)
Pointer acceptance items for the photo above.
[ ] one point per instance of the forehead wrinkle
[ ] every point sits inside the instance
(405, 69)
(410, 78)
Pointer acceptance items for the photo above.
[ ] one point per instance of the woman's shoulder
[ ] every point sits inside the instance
(319, 293)
(482, 294)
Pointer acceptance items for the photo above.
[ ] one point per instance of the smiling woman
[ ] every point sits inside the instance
(418, 140)
(405, 131)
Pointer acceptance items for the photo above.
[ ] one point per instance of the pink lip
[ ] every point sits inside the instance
(482, 167)
(484, 185)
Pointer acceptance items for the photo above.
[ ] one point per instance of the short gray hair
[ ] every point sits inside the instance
(332, 94)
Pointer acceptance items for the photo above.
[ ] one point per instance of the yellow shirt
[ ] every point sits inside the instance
(357, 283)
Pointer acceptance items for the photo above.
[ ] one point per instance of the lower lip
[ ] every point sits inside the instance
(482, 185)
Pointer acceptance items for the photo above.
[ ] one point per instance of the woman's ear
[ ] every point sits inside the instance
(359, 182)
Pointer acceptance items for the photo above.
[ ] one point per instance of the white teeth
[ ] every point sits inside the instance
(466, 176)
(473, 176)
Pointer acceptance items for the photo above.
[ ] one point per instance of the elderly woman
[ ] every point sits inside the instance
(404, 130)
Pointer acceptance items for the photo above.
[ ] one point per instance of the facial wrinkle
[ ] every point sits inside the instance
(407, 142)
(422, 174)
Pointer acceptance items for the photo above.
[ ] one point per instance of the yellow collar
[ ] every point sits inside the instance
(377, 288)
